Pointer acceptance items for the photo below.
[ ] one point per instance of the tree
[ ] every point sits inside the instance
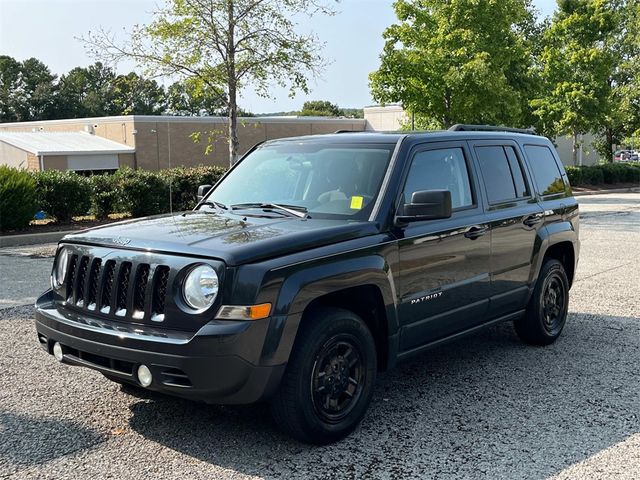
(10, 71)
(320, 108)
(87, 92)
(191, 97)
(627, 87)
(135, 95)
(577, 66)
(459, 61)
(27, 90)
(224, 46)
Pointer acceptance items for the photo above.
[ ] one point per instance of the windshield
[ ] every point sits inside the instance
(325, 180)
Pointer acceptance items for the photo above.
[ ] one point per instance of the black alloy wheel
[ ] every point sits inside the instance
(328, 383)
(337, 379)
(546, 313)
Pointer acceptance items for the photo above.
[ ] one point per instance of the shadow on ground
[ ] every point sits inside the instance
(486, 406)
(27, 440)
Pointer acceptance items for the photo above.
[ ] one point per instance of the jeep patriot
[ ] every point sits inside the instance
(316, 262)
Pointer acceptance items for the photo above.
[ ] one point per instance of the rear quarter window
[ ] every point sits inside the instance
(545, 170)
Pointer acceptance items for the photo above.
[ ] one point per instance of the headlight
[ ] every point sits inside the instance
(200, 287)
(60, 270)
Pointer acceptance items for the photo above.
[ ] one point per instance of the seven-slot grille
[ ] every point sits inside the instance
(117, 288)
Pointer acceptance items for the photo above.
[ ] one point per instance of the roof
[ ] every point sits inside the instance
(374, 136)
(181, 119)
(63, 143)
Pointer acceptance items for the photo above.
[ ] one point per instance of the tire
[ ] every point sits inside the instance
(328, 383)
(546, 312)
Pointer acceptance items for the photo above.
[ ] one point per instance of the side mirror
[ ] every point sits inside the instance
(426, 205)
(202, 191)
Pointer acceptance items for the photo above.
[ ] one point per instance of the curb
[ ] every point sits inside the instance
(33, 238)
(602, 192)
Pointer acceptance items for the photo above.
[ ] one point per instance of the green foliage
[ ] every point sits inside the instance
(576, 67)
(143, 192)
(223, 47)
(320, 108)
(459, 61)
(104, 195)
(87, 92)
(62, 195)
(17, 198)
(193, 97)
(135, 95)
(185, 183)
(27, 90)
(609, 173)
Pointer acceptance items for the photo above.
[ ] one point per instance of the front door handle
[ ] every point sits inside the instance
(532, 220)
(475, 232)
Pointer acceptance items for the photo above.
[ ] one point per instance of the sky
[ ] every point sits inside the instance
(49, 31)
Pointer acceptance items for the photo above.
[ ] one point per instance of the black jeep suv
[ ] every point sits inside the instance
(315, 263)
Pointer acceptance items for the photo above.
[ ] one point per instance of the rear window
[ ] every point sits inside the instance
(545, 170)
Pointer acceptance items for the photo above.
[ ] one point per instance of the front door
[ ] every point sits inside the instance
(444, 264)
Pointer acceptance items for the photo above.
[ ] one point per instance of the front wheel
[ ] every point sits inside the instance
(329, 380)
(546, 313)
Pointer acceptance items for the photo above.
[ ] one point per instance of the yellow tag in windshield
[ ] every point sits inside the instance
(356, 202)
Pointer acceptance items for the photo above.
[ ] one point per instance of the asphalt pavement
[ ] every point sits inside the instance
(484, 407)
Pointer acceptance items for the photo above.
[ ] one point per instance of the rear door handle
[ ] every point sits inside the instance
(532, 220)
(475, 232)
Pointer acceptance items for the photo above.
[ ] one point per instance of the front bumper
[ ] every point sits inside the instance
(217, 364)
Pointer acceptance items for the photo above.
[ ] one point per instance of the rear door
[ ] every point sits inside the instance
(444, 264)
(514, 217)
(551, 183)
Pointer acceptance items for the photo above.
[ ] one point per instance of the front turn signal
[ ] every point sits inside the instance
(236, 312)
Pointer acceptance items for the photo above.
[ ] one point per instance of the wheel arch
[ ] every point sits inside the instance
(363, 285)
(559, 241)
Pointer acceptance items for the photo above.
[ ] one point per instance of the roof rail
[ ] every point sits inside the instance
(354, 131)
(460, 127)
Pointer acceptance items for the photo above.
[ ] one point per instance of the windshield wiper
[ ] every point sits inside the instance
(295, 210)
(216, 205)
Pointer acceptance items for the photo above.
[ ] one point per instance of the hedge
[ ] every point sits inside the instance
(17, 198)
(609, 173)
(63, 195)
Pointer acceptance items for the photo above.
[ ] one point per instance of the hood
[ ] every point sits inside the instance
(233, 238)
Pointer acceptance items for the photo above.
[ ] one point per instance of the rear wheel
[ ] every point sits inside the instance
(329, 380)
(546, 313)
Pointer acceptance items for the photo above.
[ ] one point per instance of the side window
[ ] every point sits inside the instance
(443, 169)
(502, 173)
(545, 169)
(516, 172)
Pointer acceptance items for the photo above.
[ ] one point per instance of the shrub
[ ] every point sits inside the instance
(592, 175)
(185, 183)
(17, 198)
(142, 192)
(63, 194)
(575, 175)
(104, 195)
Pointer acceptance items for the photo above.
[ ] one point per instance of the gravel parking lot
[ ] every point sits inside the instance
(485, 407)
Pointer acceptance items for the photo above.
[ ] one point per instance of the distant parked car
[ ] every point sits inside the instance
(621, 156)
(634, 156)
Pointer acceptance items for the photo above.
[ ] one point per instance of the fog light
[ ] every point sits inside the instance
(144, 376)
(57, 351)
